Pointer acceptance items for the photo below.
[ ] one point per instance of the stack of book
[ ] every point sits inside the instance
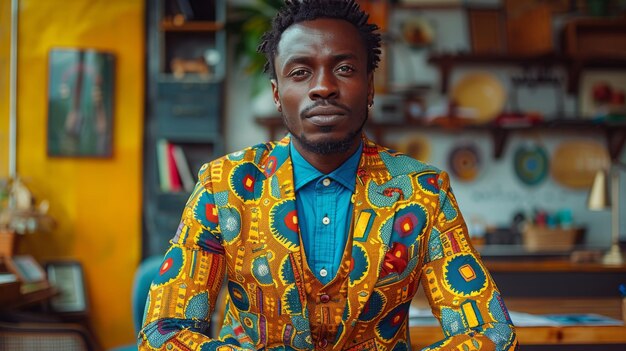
(174, 171)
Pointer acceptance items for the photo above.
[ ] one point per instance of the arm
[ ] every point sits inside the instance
(183, 293)
(459, 288)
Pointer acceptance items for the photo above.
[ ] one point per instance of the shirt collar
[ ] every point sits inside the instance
(304, 172)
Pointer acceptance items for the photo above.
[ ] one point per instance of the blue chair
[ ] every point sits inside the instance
(146, 271)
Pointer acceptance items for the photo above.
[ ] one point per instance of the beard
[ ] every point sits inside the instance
(330, 146)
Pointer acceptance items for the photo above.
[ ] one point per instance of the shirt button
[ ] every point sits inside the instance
(323, 272)
(326, 220)
(322, 343)
(324, 298)
(326, 182)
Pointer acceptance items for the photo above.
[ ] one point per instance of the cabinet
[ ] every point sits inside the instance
(185, 56)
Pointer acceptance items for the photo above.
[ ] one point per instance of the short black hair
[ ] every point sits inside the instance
(296, 11)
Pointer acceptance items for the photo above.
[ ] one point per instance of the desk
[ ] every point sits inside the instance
(541, 278)
(18, 300)
(594, 284)
(423, 336)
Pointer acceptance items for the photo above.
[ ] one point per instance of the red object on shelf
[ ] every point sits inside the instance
(518, 119)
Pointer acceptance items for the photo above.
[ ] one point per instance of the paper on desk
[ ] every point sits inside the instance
(583, 319)
(522, 319)
(424, 317)
(7, 278)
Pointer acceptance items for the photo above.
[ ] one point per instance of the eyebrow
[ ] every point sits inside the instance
(306, 59)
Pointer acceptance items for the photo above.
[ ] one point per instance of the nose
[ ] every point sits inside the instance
(323, 86)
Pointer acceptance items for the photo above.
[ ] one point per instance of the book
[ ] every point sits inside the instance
(183, 168)
(163, 165)
(174, 177)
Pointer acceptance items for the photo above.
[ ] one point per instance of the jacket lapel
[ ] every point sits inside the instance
(368, 244)
(278, 169)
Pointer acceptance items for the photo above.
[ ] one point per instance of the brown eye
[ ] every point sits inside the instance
(299, 73)
(345, 69)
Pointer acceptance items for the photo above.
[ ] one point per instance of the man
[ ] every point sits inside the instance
(324, 235)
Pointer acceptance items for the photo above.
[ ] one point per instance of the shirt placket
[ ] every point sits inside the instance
(325, 224)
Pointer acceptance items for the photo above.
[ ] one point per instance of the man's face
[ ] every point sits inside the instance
(322, 86)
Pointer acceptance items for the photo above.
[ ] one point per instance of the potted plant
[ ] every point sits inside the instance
(246, 23)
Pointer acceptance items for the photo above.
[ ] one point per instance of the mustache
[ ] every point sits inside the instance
(321, 103)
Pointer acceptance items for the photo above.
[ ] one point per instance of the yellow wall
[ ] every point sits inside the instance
(97, 202)
(5, 36)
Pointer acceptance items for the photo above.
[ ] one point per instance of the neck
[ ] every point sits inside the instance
(326, 163)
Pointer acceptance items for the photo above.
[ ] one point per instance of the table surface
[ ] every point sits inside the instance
(422, 336)
(550, 265)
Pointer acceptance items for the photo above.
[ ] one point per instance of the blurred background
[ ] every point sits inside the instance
(109, 108)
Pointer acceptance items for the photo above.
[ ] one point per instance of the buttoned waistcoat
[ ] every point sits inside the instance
(241, 219)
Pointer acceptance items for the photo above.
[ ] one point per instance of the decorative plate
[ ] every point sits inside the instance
(531, 164)
(464, 162)
(482, 92)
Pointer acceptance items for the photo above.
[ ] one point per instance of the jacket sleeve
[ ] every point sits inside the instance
(184, 292)
(460, 290)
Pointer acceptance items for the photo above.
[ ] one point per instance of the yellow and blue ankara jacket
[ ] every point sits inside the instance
(241, 220)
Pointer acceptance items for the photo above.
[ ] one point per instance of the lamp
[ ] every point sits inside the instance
(599, 200)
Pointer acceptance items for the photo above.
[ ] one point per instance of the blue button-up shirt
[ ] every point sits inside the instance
(324, 206)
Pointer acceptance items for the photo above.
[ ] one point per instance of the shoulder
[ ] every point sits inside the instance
(401, 164)
(256, 155)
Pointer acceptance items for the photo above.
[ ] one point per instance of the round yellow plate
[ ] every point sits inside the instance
(482, 92)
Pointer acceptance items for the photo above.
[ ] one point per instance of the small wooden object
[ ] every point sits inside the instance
(8, 243)
(541, 238)
(530, 32)
(180, 67)
(486, 27)
(596, 37)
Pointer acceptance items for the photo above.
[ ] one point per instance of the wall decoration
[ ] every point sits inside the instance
(482, 92)
(531, 164)
(464, 161)
(80, 103)
(602, 95)
(574, 163)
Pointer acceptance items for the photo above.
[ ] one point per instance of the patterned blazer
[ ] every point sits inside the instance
(241, 220)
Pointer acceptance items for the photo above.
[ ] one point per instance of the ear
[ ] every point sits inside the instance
(370, 89)
(276, 95)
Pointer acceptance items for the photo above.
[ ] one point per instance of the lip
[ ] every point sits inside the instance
(325, 120)
(325, 116)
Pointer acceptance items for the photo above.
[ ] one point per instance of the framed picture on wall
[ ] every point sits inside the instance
(80, 103)
(67, 277)
(602, 94)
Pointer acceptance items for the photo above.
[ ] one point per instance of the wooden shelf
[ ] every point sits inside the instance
(167, 25)
(433, 5)
(615, 133)
(184, 103)
(574, 64)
